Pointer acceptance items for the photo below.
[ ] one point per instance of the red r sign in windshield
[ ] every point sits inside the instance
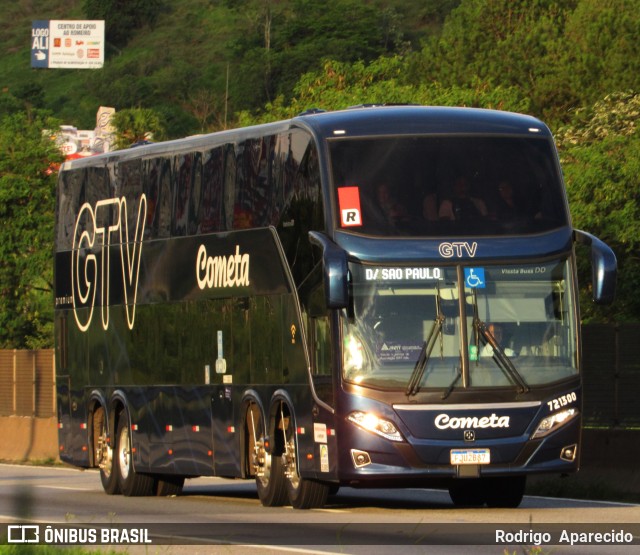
(349, 201)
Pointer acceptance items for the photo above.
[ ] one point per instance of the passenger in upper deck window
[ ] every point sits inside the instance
(507, 205)
(395, 213)
(430, 207)
(462, 206)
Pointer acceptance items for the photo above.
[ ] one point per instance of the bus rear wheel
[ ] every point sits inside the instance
(103, 454)
(303, 493)
(167, 486)
(132, 483)
(266, 468)
(270, 482)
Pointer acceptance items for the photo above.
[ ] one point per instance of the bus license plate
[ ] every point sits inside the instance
(470, 456)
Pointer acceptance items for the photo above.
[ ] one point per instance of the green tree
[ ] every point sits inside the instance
(27, 202)
(122, 17)
(287, 39)
(340, 85)
(136, 125)
(601, 50)
(506, 43)
(563, 55)
(600, 153)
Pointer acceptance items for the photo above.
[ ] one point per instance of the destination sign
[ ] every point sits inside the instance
(404, 274)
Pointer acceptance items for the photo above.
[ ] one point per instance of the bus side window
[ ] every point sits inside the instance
(302, 210)
(150, 188)
(317, 316)
(212, 181)
(182, 170)
(229, 186)
(266, 340)
(252, 197)
(194, 221)
(165, 196)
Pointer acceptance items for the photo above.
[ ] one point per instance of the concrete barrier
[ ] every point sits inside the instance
(28, 439)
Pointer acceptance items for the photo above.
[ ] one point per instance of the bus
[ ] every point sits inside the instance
(382, 296)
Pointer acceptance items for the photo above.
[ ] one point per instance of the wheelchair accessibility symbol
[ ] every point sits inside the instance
(474, 278)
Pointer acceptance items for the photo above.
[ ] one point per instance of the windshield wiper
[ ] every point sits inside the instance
(452, 384)
(501, 358)
(427, 348)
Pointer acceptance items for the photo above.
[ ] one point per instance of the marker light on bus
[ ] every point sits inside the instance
(372, 423)
(553, 422)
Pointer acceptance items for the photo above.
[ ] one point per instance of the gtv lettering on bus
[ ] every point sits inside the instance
(95, 228)
(457, 248)
(445, 422)
(222, 271)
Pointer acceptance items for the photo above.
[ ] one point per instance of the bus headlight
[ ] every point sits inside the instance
(553, 422)
(370, 422)
(353, 355)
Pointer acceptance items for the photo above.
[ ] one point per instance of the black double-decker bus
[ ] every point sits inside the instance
(380, 296)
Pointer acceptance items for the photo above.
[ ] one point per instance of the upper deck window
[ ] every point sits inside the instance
(447, 185)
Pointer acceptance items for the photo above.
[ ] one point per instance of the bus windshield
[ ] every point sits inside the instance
(447, 185)
(407, 325)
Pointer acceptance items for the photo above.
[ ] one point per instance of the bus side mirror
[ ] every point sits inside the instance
(334, 263)
(604, 267)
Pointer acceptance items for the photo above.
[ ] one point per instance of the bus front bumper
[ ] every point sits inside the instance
(366, 458)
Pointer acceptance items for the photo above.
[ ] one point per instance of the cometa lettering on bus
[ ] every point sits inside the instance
(222, 271)
(444, 421)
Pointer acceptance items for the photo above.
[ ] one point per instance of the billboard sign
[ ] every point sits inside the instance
(77, 44)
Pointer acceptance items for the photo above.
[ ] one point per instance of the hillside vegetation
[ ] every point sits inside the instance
(194, 60)
(203, 65)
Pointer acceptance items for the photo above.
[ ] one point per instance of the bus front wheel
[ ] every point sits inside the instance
(505, 493)
(470, 492)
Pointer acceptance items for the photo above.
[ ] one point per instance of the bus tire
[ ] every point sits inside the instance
(132, 483)
(303, 493)
(506, 492)
(103, 454)
(468, 492)
(167, 486)
(271, 487)
(307, 494)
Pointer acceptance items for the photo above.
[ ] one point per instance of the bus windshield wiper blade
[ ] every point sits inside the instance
(501, 358)
(452, 384)
(427, 347)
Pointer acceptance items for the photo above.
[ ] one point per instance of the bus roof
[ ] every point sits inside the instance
(356, 121)
(410, 119)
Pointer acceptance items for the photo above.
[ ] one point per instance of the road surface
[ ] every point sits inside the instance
(215, 515)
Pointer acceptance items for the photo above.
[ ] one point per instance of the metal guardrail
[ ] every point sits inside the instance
(610, 361)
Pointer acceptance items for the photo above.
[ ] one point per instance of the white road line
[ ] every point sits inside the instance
(338, 511)
(47, 486)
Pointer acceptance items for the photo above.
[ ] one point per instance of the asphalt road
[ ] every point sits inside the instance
(224, 516)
